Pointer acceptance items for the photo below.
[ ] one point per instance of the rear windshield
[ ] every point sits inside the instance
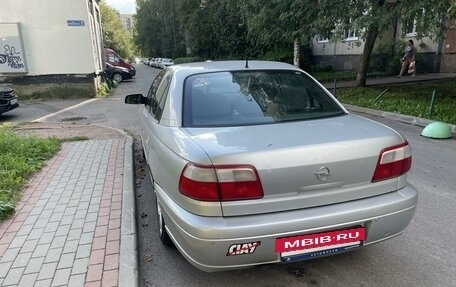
(254, 97)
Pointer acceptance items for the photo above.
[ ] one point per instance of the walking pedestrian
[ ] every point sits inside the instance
(408, 61)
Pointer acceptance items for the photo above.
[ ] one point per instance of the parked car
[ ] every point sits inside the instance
(257, 163)
(156, 62)
(111, 57)
(149, 61)
(8, 99)
(117, 73)
(165, 62)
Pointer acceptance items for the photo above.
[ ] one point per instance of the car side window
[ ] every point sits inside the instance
(159, 98)
(153, 89)
(156, 96)
(113, 58)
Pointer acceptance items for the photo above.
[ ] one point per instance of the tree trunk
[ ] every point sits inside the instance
(365, 58)
(372, 33)
(296, 56)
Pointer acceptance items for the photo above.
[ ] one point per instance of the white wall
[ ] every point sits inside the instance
(341, 48)
(50, 45)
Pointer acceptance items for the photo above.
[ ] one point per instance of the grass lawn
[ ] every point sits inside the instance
(410, 99)
(20, 158)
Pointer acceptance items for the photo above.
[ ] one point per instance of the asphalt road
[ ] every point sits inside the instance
(424, 255)
(110, 111)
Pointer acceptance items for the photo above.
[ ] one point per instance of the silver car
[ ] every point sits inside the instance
(165, 62)
(257, 163)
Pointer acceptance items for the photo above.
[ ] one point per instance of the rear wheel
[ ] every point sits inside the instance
(164, 237)
(117, 77)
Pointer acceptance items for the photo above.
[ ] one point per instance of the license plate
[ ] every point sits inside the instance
(13, 101)
(319, 244)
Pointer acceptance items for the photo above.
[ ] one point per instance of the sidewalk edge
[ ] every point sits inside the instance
(397, 117)
(128, 269)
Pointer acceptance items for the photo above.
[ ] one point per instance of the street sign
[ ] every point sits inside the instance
(75, 23)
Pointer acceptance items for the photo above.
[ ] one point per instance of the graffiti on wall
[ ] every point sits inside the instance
(11, 57)
(12, 54)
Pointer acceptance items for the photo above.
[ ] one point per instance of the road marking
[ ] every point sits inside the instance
(64, 110)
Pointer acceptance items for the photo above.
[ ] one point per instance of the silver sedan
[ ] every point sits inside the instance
(257, 163)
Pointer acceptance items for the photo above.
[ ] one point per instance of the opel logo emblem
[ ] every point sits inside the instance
(323, 173)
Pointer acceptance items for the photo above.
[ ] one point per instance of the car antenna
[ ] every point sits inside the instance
(247, 63)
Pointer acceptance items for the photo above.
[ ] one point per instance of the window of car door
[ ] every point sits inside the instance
(157, 94)
(113, 58)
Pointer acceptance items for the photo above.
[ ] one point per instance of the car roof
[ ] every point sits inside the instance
(220, 66)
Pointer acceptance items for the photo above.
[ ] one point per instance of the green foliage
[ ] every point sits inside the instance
(452, 10)
(278, 54)
(386, 58)
(408, 99)
(114, 35)
(373, 17)
(188, 60)
(5, 209)
(213, 29)
(157, 29)
(105, 88)
(20, 157)
(233, 29)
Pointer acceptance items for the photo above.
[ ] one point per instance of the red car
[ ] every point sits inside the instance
(112, 58)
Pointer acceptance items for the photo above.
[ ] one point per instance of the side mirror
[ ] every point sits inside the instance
(135, 99)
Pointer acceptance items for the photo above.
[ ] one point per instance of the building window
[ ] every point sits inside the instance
(322, 39)
(349, 34)
(410, 28)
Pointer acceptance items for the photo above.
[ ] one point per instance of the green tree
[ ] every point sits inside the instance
(212, 29)
(157, 28)
(114, 35)
(277, 23)
(370, 18)
(194, 20)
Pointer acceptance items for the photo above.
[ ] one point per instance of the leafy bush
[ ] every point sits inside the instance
(105, 88)
(280, 55)
(385, 58)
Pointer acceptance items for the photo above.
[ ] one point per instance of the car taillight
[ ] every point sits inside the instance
(393, 162)
(220, 183)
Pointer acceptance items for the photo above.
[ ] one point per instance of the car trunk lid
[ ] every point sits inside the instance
(302, 164)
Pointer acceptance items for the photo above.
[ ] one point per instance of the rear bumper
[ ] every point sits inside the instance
(205, 241)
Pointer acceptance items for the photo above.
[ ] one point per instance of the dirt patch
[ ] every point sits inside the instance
(67, 130)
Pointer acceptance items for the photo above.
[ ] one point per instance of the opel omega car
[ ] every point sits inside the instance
(256, 162)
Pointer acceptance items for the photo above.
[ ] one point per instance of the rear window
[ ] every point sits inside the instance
(254, 97)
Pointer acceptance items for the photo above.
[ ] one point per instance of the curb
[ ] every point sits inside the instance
(128, 269)
(397, 117)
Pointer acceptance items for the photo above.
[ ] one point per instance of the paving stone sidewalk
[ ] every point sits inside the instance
(67, 227)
